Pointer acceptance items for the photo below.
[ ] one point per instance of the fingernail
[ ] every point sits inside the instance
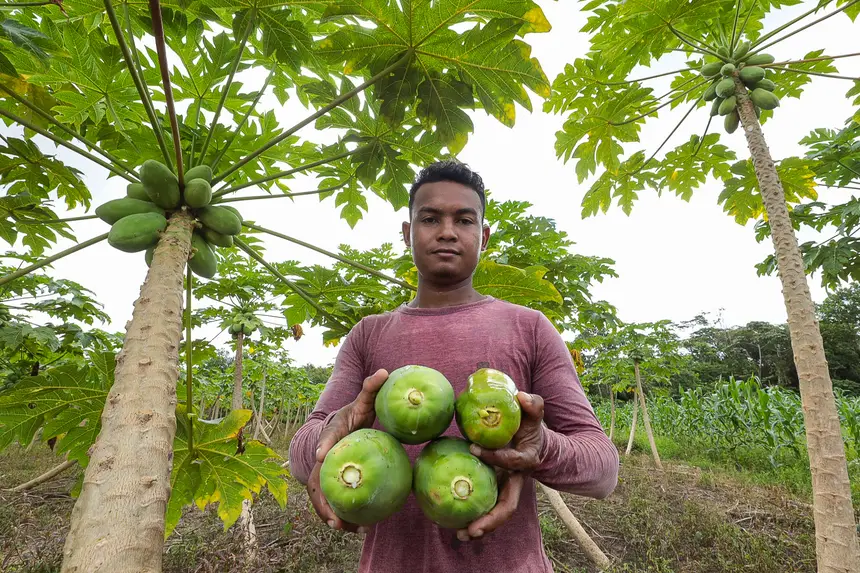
(462, 536)
(479, 533)
(331, 523)
(475, 449)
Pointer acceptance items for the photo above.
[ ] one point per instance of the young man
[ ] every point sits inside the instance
(451, 327)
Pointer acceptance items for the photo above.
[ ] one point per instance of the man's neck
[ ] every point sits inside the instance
(430, 296)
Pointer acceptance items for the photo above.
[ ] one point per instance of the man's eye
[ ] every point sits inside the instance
(466, 221)
(427, 220)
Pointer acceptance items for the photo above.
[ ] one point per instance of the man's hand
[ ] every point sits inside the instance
(516, 460)
(358, 414)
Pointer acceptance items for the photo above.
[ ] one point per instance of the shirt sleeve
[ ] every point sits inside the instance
(343, 387)
(577, 456)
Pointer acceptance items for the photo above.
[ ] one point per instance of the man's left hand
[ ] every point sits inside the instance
(520, 457)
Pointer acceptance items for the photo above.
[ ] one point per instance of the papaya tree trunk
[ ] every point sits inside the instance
(645, 417)
(585, 542)
(836, 547)
(612, 415)
(117, 523)
(237, 374)
(632, 425)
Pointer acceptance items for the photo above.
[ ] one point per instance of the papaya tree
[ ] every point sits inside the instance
(108, 81)
(716, 59)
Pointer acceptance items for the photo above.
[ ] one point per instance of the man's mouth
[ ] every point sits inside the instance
(449, 252)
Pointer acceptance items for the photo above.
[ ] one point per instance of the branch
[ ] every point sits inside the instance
(747, 19)
(759, 47)
(59, 141)
(673, 90)
(833, 76)
(138, 83)
(280, 174)
(341, 258)
(702, 139)
(298, 290)
(236, 61)
(625, 122)
(158, 32)
(321, 112)
(645, 78)
(244, 119)
(48, 260)
(735, 26)
(821, 59)
(68, 130)
(270, 196)
(55, 221)
(194, 133)
(671, 133)
(704, 47)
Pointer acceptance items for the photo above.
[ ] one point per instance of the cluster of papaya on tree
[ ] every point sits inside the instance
(138, 219)
(723, 90)
(367, 476)
(244, 322)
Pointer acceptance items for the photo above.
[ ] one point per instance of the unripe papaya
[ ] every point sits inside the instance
(764, 99)
(765, 84)
(233, 210)
(715, 107)
(199, 172)
(136, 191)
(710, 92)
(759, 59)
(220, 220)
(727, 70)
(729, 105)
(726, 87)
(160, 184)
(723, 52)
(247, 330)
(732, 121)
(711, 70)
(202, 262)
(751, 74)
(216, 238)
(147, 256)
(198, 193)
(136, 232)
(116, 209)
(741, 50)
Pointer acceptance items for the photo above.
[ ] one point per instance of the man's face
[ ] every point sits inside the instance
(446, 233)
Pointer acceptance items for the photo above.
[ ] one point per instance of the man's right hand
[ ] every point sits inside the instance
(358, 414)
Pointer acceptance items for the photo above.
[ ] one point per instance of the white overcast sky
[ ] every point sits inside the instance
(675, 258)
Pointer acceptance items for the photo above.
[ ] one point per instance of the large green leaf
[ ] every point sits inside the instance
(741, 196)
(519, 286)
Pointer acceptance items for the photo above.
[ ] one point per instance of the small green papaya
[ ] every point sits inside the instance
(416, 404)
(199, 172)
(136, 191)
(726, 87)
(715, 107)
(233, 210)
(115, 209)
(732, 121)
(711, 70)
(147, 256)
(727, 70)
(759, 59)
(220, 220)
(137, 232)
(723, 51)
(160, 184)
(710, 92)
(247, 330)
(729, 105)
(197, 193)
(765, 84)
(741, 50)
(202, 262)
(764, 99)
(487, 410)
(215, 238)
(751, 74)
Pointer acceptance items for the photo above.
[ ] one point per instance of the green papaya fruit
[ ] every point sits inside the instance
(723, 51)
(366, 477)
(759, 59)
(215, 238)
(757, 111)
(751, 74)
(137, 232)
(453, 487)
(711, 70)
(732, 121)
(202, 262)
(147, 256)
(199, 172)
(233, 210)
(710, 92)
(115, 209)
(764, 99)
(715, 107)
(487, 410)
(727, 70)
(415, 404)
(765, 84)
(136, 191)
(726, 87)
(160, 184)
(741, 50)
(197, 193)
(220, 220)
(247, 330)
(729, 105)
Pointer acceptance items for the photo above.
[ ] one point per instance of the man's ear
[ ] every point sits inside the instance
(406, 238)
(485, 236)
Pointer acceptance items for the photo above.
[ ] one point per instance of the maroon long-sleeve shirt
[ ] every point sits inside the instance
(576, 457)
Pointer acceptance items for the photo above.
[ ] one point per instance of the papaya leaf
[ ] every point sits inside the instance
(519, 286)
(741, 196)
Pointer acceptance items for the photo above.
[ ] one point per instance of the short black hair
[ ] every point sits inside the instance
(449, 170)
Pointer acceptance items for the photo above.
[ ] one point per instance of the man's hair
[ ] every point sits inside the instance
(449, 170)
